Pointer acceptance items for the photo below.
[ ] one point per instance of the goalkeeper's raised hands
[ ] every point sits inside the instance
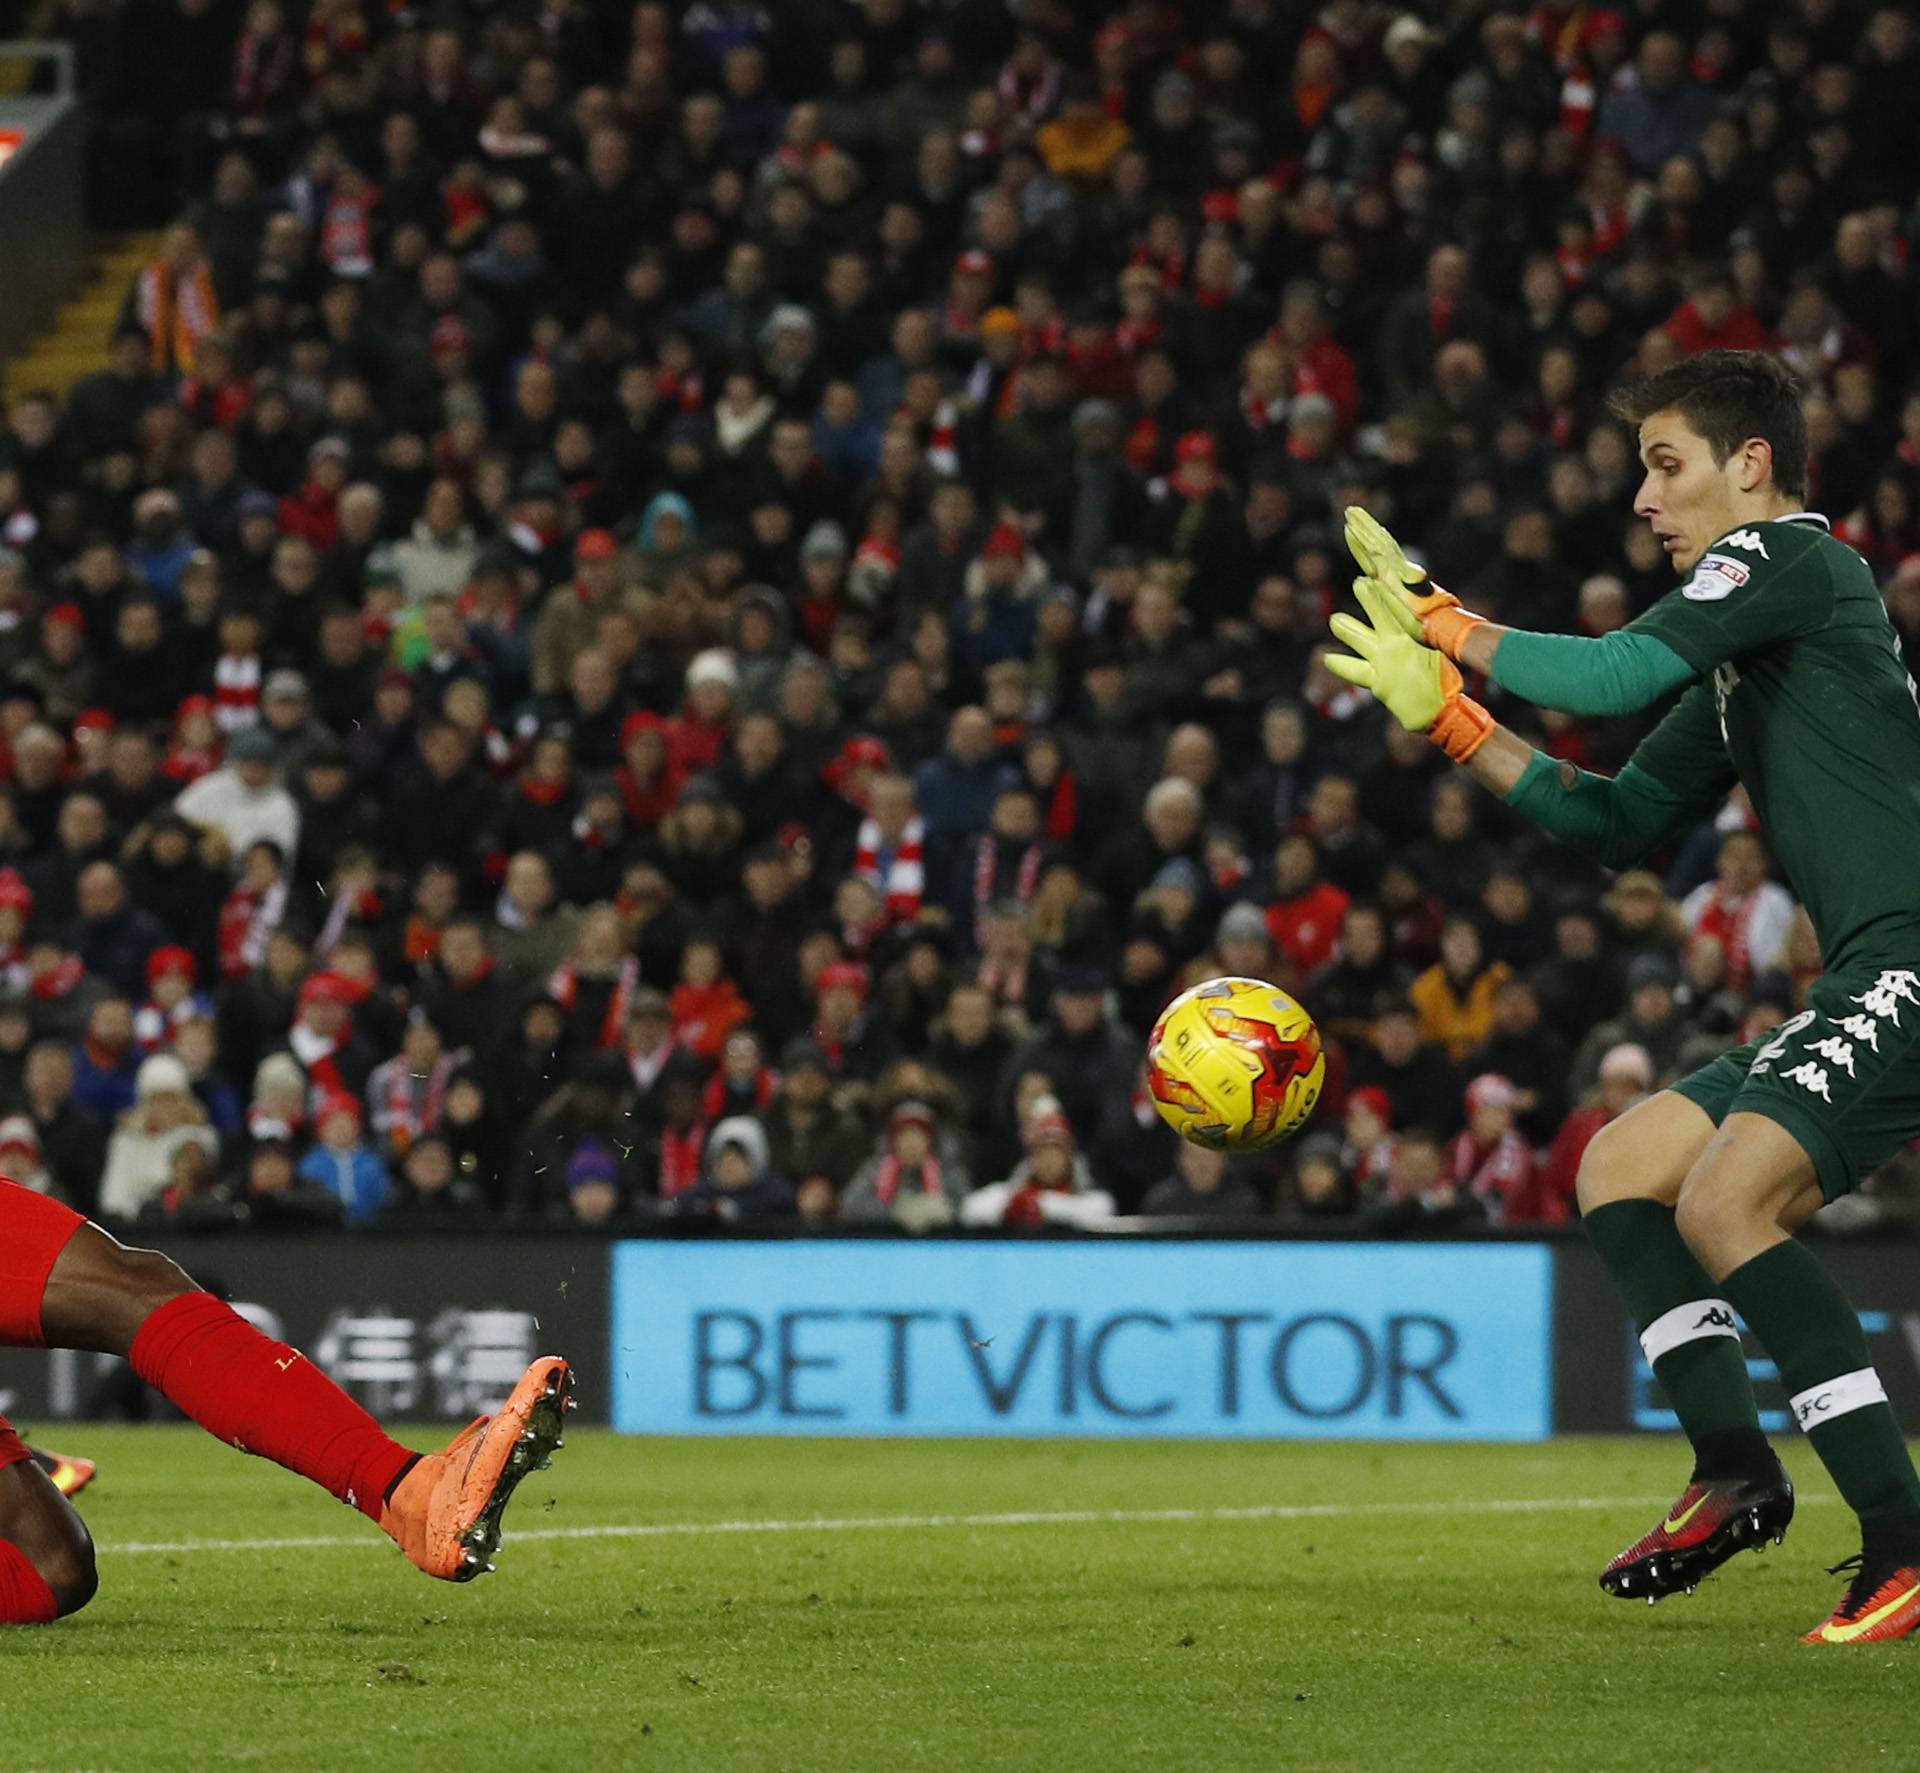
(1421, 689)
(1432, 614)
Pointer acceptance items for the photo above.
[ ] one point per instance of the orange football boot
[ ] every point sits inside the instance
(1883, 1600)
(445, 1513)
(70, 1476)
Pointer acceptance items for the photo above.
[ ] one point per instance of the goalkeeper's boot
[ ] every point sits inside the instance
(1713, 1519)
(445, 1513)
(70, 1476)
(1883, 1599)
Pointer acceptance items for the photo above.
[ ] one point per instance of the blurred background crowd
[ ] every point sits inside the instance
(704, 608)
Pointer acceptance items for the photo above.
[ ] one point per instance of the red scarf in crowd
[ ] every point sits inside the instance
(1729, 917)
(411, 1110)
(886, 1179)
(564, 988)
(236, 692)
(986, 876)
(247, 919)
(176, 311)
(714, 1104)
(680, 1159)
(902, 883)
(316, 1055)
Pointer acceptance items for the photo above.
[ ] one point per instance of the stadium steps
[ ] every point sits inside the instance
(75, 344)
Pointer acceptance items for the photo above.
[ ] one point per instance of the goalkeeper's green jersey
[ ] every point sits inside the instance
(1805, 700)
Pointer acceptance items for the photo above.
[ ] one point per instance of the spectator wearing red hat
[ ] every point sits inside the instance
(841, 1028)
(1193, 519)
(906, 1181)
(649, 775)
(569, 618)
(1366, 1154)
(1050, 1185)
(322, 1041)
(193, 747)
(343, 1162)
(998, 617)
(172, 998)
(1490, 1161)
(62, 672)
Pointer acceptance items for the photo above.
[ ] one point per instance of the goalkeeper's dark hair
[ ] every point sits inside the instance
(1729, 396)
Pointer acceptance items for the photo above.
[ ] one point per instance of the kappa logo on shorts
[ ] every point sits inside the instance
(1834, 1049)
(1715, 1316)
(1716, 576)
(1893, 988)
(1863, 1029)
(1810, 1077)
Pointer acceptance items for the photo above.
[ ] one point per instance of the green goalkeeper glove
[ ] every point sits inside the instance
(1434, 615)
(1421, 688)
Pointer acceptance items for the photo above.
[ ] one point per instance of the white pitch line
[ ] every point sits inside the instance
(1077, 1517)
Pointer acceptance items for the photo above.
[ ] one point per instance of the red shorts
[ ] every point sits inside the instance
(33, 1232)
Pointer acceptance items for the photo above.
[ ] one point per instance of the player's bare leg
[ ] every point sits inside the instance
(89, 1291)
(1737, 1495)
(1751, 1190)
(46, 1553)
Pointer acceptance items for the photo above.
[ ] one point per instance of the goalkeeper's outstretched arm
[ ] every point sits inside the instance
(1615, 820)
(1614, 674)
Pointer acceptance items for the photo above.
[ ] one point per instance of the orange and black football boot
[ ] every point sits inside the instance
(445, 1513)
(1714, 1518)
(70, 1476)
(1883, 1599)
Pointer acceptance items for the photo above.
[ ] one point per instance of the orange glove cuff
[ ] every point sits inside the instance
(1462, 728)
(1446, 629)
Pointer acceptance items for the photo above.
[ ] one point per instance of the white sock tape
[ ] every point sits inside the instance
(1836, 1397)
(1687, 1323)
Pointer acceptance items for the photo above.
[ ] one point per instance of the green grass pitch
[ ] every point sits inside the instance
(1327, 1607)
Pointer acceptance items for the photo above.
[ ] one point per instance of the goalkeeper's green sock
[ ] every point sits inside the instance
(1687, 1332)
(1803, 1320)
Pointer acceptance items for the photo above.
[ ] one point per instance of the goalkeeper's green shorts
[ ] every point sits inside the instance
(1843, 1076)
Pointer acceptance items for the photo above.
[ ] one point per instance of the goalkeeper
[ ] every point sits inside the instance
(1793, 687)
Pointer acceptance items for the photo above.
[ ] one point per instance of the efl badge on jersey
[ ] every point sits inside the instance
(1714, 578)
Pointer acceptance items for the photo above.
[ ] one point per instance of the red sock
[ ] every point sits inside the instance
(25, 1598)
(266, 1398)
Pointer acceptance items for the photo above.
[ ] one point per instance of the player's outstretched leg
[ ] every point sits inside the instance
(1738, 1495)
(46, 1553)
(262, 1396)
(1752, 1188)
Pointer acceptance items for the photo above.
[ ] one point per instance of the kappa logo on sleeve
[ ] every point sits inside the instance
(1748, 539)
(1715, 577)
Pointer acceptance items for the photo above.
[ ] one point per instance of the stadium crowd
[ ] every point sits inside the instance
(704, 608)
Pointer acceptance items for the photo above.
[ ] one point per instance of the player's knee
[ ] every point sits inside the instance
(150, 1279)
(1716, 1218)
(70, 1570)
(1607, 1172)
